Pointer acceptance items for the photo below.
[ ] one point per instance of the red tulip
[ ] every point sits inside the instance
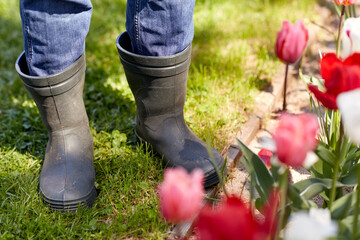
(270, 211)
(295, 137)
(181, 194)
(235, 220)
(266, 155)
(291, 41)
(339, 76)
(345, 2)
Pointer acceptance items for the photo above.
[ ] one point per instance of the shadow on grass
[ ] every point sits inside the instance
(22, 128)
(125, 175)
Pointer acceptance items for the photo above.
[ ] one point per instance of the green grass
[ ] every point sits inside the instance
(233, 58)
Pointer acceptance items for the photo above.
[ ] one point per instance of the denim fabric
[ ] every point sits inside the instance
(160, 27)
(55, 30)
(54, 33)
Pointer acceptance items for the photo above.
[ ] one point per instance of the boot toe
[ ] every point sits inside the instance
(194, 155)
(67, 196)
(68, 187)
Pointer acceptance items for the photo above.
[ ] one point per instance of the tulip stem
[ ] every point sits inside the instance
(285, 83)
(283, 189)
(339, 32)
(356, 211)
(338, 147)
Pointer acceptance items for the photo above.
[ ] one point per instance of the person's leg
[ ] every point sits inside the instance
(54, 33)
(160, 27)
(52, 68)
(156, 55)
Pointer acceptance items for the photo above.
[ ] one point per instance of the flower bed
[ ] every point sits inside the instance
(325, 144)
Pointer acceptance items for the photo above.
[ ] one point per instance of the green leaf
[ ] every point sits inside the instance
(344, 149)
(254, 165)
(342, 206)
(352, 157)
(321, 169)
(326, 154)
(345, 228)
(314, 81)
(351, 179)
(308, 188)
(118, 138)
(298, 201)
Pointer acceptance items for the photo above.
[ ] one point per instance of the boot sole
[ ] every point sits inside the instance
(211, 178)
(73, 205)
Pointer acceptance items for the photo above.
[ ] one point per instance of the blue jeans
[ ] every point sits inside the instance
(55, 30)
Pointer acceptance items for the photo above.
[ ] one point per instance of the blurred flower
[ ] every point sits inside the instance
(270, 211)
(340, 76)
(310, 159)
(181, 194)
(291, 41)
(313, 225)
(349, 106)
(265, 155)
(345, 2)
(234, 220)
(350, 37)
(295, 137)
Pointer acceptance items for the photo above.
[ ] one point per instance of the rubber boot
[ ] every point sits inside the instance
(159, 87)
(67, 176)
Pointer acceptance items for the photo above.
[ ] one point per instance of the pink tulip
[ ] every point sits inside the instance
(295, 137)
(181, 194)
(345, 2)
(291, 41)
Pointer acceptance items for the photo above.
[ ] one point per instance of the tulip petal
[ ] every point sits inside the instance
(295, 136)
(327, 100)
(281, 38)
(265, 155)
(349, 106)
(327, 64)
(350, 37)
(354, 59)
(310, 159)
(181, 194)
(313, 225)
(291, 42)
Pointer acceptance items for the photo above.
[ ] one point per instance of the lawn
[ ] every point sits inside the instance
(233, 59)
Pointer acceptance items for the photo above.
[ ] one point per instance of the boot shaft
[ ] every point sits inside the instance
(160, 80)
(58, 97)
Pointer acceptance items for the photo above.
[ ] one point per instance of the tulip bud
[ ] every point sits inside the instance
(295, 137)
(181, 194)
(350, 37)
(291, 42)
(265, 155)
